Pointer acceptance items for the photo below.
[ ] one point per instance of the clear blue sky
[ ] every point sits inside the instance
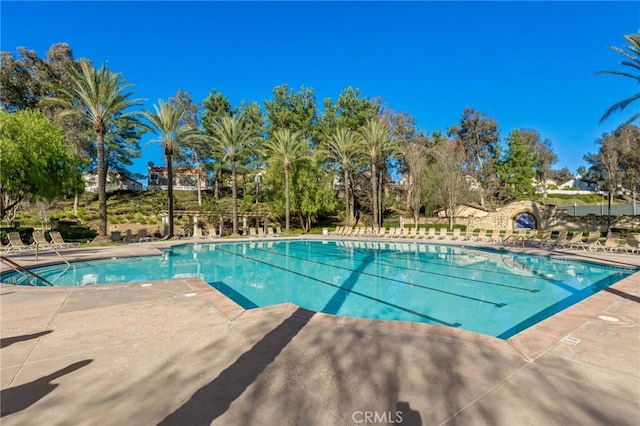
(526, 64)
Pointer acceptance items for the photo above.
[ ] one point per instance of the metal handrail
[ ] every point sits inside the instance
(24, 270)
(52, 247)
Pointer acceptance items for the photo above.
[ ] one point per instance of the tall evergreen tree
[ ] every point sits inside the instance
(517, 170)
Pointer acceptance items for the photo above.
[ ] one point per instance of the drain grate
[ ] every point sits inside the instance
(608, 318)
(571, 341)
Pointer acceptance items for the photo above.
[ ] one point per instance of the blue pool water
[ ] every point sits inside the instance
(482, 290)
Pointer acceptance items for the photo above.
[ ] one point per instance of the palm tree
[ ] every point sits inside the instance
(231, 137)
(103, 97)
(341, 148)
(632, 60)
(374, 139)
(166, 123)
(289, 148)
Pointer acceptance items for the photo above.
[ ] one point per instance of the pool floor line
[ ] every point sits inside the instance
(488, 302)
(455, 324)
(406, 268)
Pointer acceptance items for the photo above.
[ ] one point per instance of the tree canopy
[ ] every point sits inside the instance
(35, 161)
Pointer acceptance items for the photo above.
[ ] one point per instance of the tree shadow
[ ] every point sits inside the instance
(623, 294)
(213, 399)
(7, 341)
(18, 398)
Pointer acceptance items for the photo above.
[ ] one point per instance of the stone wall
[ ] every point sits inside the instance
(546, 217)
(549, 218)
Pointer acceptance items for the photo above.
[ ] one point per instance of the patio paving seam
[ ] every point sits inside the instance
(485, 393)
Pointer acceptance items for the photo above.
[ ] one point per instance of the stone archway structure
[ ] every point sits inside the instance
(540, 216)
(524, 219)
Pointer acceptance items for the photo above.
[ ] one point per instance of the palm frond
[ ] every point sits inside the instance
(632, 53)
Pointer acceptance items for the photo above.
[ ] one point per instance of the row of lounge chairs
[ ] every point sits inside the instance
(591, 241)
(16, 245)
(260, 232)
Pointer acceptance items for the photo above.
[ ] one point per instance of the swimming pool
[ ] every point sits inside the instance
(482, 290)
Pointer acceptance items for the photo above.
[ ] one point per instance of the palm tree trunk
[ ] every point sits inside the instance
(199, 186)
(380, 198)
(234, 196)
(102, 184)
(346, 194)
(374, 191)
(286, 197)
(170, 192)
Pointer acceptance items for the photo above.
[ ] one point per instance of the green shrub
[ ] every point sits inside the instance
(76, 232)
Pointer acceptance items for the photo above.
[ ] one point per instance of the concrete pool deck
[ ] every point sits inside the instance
(177, 352)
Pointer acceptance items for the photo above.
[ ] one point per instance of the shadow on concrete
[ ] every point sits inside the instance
(7, 341)
(409, 417)
(18, 398)
(212, 400)
(623, 294)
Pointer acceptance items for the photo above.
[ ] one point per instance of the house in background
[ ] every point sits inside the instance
(115, 181)
(580, 183)
(183, 179)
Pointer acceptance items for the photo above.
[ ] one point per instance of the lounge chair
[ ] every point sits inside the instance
(482, 235)
(444, 234)
(411, 233)
(393, 232)
(592, 241)
(611, 243)
(432, 233)
(576, 238)
(279, 230)
(456, 234)
(508, 236)
(495, 236)
(270, 231)
(40, 241)
(468, 234)
(381, 232)
(422, 233)
(211, 232)
(632, 243)
(561, 238)
(16, 244)
(540, 240)
(520, 237)
(58, 241)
